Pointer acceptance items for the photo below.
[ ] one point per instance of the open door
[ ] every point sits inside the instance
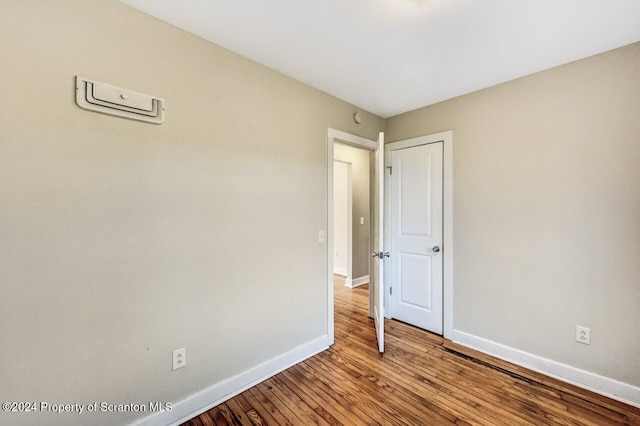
(377, 223)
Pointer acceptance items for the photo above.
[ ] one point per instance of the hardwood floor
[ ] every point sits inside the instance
(420, 380)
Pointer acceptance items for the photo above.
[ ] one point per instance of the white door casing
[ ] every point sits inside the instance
(417, 235)
(377, 221)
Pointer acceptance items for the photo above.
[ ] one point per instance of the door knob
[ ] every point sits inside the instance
(435, 249)
(381, 254)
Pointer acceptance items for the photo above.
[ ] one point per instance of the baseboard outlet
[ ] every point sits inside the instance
(340, 271)
(614, 389)
(357, 282)
(208, 398)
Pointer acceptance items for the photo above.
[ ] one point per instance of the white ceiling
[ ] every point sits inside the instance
(392, 56)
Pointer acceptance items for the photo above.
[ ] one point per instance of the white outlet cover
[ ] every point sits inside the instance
(583, 335)
(179, 358)
(320, 237)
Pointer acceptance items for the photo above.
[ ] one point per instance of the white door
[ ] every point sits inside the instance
(416, 236)
(377, 233)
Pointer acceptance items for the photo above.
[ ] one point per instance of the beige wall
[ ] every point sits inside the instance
(121, 241)
(547, 210)
(359, 159)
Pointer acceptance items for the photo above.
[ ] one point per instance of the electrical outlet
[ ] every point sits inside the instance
(321, 237)
(583, 335)
(179, 358)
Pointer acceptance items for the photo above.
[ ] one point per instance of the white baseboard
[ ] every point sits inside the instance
(602, 385)
(343, 272)
(340, 271)
(357, 282)
(208, 398)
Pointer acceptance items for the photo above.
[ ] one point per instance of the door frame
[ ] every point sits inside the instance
(447, 218)
(338, 136)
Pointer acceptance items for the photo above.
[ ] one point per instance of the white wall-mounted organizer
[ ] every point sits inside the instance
(107, 99)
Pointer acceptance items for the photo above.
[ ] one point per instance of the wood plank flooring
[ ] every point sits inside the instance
(421, 379)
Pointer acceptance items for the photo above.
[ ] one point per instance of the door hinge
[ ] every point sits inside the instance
(391, 291)
(390, 169)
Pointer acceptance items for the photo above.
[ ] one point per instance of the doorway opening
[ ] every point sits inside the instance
(421, 254)
(349, 219)
(351, 186)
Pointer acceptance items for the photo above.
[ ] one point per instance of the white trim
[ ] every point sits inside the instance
(352, 140)
(334, 136)
(349, 221)
(447, 250)
(329, 236)
(340, 271)
(208, 398)
(447, 216)
(602, 385)
(348, 282)
(357, 282)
